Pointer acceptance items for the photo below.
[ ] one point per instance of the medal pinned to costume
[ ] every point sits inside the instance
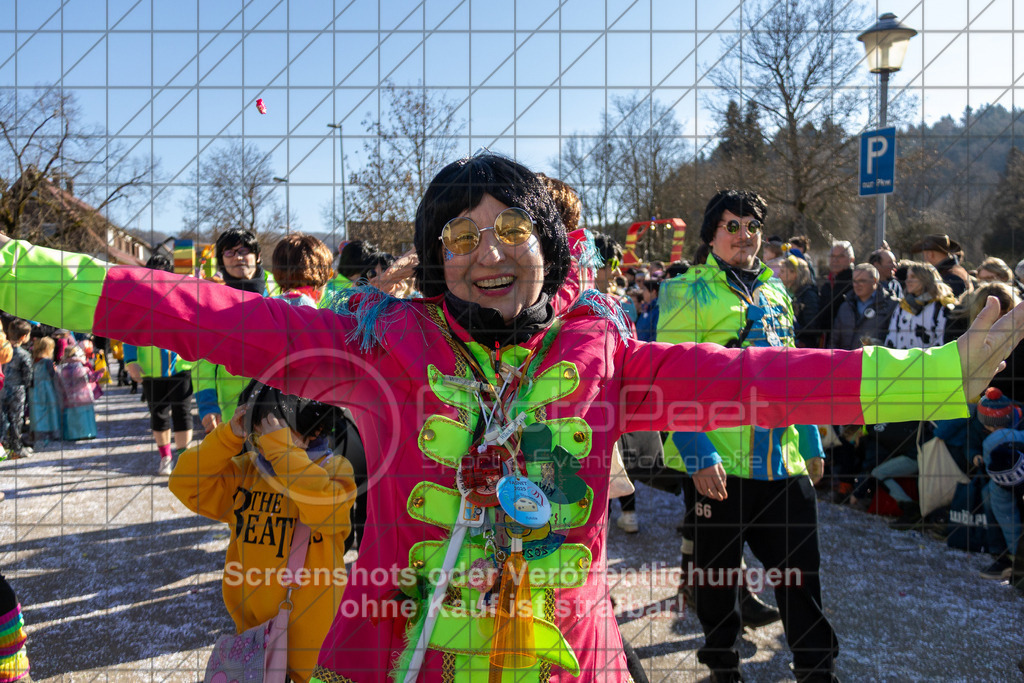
(479, 474)
(537, 543)
(483, 574)
(523, 502)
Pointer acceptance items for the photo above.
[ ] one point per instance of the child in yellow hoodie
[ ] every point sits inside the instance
(284, 471)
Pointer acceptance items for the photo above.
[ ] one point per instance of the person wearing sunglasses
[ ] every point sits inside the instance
(746, 476)
(450, 389)
(241, 268)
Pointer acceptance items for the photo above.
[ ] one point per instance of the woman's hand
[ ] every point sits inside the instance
(237, 422)
(987, 343)
(390, 281)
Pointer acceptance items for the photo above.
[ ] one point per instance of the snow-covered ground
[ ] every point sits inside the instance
(119, 582)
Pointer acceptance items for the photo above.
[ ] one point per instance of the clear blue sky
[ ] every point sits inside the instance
(527, 72)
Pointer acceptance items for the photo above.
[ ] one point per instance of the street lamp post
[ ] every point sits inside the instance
(886, 45)
(341, 148)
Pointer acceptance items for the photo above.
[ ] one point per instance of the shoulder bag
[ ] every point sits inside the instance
(260, 654)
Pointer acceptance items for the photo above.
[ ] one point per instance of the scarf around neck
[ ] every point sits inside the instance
(745, 279)
(915, 303)
(487, 327)
(257, 284)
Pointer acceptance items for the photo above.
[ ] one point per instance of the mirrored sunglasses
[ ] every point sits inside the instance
(513, 227)
(753, 227)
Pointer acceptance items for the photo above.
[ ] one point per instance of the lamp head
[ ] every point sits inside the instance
(886, 43)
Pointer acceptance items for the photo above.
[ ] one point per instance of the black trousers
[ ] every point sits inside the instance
(170, 401)
(779, 521)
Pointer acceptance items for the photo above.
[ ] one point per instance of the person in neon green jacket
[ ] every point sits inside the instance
(747, 477)
(166, 387)
(217, 390)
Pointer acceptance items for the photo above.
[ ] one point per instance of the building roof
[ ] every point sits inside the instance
(83, 216)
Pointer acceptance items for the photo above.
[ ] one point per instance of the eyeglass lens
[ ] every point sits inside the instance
(753, 227)
(513, 226)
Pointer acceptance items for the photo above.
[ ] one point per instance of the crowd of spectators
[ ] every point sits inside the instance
(53, 377)
(905, 304)
(899, 303)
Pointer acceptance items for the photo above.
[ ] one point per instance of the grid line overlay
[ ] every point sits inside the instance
(524, 78)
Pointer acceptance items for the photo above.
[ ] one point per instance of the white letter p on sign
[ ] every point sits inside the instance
(877, 147)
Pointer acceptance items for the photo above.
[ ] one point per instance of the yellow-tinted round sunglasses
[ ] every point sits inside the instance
(461, 235)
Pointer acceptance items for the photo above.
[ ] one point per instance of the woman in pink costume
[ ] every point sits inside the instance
(488, 415)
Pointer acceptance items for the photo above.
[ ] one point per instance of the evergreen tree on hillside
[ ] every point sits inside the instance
(1006, 239)
(742, 136)
(741, 158)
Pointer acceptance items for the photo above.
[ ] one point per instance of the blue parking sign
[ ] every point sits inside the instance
(877, 161)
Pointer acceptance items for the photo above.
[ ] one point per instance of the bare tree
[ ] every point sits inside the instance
(415, 135)
(648, 146)
(794, 60)
(234, 188)
(57, 175)
(741, 159)
(628, 170)
(586, 164)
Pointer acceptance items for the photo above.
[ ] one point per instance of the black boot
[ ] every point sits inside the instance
(910, 519)
(754, 612)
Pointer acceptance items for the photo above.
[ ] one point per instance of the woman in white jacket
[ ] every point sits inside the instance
(920, 319)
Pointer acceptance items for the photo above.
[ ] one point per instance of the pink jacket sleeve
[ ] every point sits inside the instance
(300, 350)
(699, 387)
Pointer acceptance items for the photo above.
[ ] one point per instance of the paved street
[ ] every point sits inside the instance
(119, 582)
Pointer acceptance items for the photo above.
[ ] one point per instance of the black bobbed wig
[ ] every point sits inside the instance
(461, 185)
(740, 202)
(236, 237)
(310, 419)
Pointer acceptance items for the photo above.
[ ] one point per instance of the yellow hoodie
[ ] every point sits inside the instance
(216, 482)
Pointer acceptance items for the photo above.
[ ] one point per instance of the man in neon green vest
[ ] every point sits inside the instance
(752, 483)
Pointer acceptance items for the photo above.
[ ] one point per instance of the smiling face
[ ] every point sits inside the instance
(739, 249)
(496, 275)
(914, 284)
(886, 265)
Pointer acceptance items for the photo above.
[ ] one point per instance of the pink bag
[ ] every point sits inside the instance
(260, 654)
